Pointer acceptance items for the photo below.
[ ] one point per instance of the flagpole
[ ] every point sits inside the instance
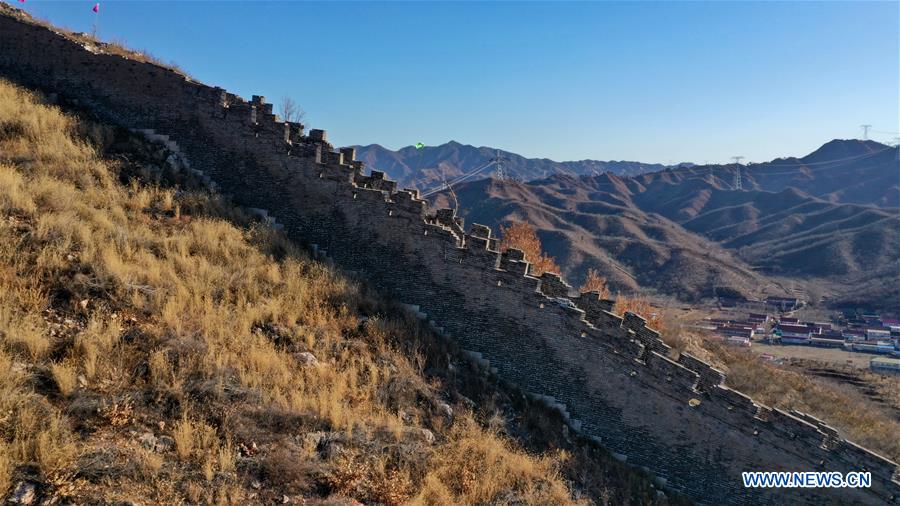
(96, 10)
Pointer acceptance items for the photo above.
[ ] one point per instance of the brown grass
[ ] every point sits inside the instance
(189, 327)
(857, 418)
(117, 47)
(64, 375)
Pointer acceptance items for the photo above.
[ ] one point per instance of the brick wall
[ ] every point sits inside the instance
(609, 375)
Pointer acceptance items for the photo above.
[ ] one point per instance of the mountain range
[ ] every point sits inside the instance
(830, 225)
(427, 167)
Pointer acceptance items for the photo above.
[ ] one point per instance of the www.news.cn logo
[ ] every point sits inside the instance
(784, 479)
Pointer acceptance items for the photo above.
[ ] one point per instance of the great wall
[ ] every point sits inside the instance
(611, 376)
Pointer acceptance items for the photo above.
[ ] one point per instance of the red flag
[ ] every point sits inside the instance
(21, 1)
(96, 8)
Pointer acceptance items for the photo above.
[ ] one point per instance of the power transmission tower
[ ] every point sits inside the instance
(498, 159)
(865, 129)
(737, 172)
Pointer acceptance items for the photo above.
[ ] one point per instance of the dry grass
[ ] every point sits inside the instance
(5, 468)
(460, 474)
(187, 327)
(117, 47)
(857, 418)
(64, 375)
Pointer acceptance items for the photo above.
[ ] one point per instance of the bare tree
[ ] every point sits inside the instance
(290, 111)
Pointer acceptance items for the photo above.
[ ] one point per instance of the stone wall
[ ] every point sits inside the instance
(609, 375)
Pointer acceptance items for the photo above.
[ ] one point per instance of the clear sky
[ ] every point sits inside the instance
(655, 82)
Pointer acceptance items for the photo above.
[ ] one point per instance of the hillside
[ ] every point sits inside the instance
(157, 345)
(848, 171)
(770, 229)
(688, 234)
(584, 227)
(427, 167)
(840, 171)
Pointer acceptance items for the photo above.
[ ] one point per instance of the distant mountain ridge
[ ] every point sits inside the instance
(848, 171)
(425, 168)
(852, 171)
(687, 232)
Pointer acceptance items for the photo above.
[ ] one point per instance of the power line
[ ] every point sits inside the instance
(816, 165)
(801, 165)
(825, 162)
(807, 164)
(797, 165)
(458, 179)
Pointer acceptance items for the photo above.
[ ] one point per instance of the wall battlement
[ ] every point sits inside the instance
(611, 375)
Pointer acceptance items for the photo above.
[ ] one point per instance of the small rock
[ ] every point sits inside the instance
(255, 484)
(24, 493)
(82, 381)
(161, 424)
(19, 367)
(173, 162)
(423, 435)
(468, 403)
(148, 441)
(329, 447)
(306, 358)
(445, 409)
(314, 438)
(164, 443)
(84, 303)
(285, 499)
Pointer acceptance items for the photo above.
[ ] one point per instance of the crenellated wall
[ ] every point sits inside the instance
(611, 376)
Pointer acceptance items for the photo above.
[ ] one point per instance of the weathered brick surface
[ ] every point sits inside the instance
(610, 373)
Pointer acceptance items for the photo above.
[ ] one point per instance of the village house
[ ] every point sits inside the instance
(794, 334)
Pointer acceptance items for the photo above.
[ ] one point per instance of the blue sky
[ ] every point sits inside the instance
(655, 82)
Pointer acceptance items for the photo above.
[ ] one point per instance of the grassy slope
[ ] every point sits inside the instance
(152, 350)
(855, 416)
